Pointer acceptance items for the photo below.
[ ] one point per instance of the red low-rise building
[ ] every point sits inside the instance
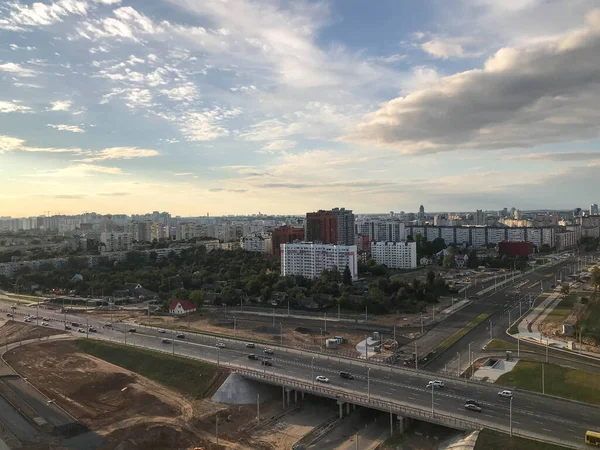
(523, 248)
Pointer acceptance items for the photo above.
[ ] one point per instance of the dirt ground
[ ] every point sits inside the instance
(13, 331)
(131, 411)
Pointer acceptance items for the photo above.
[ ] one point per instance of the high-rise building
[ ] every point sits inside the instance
(421, 214)
(258, 242)
(594, 209)
(395, 255)
(480, 218)
(321, 226)
(285, 235)
(310, 260)
(345, 224)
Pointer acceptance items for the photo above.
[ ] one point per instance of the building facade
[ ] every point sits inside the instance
(330, 227)
(310, 259)
(285, 235)
(115, 242)
(395, 255)
(259, 243)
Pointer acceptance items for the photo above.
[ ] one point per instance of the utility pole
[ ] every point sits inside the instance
(394, 333)
(368, 383)
(510, 416)
(518, 346)
(217, 429)
(258, 407)
(432, 410)
(546, 349)
(325, 322)
(491, 332)
(458, 354)
(543, 387)
(416, 357)
(281, 333)
(366, 315)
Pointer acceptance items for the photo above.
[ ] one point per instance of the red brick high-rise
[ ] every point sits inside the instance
(322, 226)
(285, 235)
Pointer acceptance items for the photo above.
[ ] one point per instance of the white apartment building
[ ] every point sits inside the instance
(381, 230)
(187, 231)
(395, 255)
(115, 242)
(310, 260)
(259, 242)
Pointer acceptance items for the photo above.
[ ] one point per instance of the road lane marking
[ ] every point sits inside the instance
(547, 430)
(539, 423)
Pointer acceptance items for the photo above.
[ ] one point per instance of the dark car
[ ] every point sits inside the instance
(347, 375)
(181, 336)
(473, 402)
(472, 407)
(250, 345)
(67, 327)
(266, 362)
(75, 324)
(253, 356)
(166, 341)
(93, 330)
(132, 330)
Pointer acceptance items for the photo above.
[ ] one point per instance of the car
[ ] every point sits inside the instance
(347, 375)
(93, 330)
(505, 393)
(67, 327)
(81, 330)
(181, 336)
(161, 330)
(268, 351)
(472, 407)
(437, 384)
(166, 341)
(9, 315)
(472, 402)
(132, 330)
(266, 362)
(250, 345)
(44, 324)
(75, 324)
(253, 356)
(28, 320)
(108, 324)
(220, 345)
(322, 379)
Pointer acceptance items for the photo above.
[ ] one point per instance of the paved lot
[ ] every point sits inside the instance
(16, 423)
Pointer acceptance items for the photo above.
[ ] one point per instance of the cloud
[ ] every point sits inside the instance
(108, 2)
(17, 70)
(443, 49)
(14, 106)
(10, 144)
(60, 105)
(16, 47)
(277, 146)
(79, 171)
(185, 92)
(182, 174)
(391, 59)
(114, 194)
(71, 128)
(558, 157)
(205, 125)
(21, 16)
(522, 97)
(65, 196)
(121, 153)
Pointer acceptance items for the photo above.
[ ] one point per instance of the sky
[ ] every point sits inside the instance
(244, 106)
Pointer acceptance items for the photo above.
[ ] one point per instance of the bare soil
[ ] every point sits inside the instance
(13, 331)
(131, 411)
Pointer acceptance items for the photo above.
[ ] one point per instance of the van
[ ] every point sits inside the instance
(347, 375)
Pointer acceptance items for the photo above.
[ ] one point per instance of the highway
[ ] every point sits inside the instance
(532, 414)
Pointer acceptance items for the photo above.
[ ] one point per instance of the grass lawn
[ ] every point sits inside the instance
(559, 381)
(460, 333)
(563, 309)
(494, 440)
(190, 377)
(591, 320)
(499, 344)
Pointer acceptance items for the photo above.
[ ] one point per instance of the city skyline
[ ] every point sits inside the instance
(181, 106)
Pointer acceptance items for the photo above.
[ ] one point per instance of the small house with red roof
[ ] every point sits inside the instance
(182, 307)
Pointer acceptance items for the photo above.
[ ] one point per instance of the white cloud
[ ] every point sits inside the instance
(522, 97)
(205, 125)
(444, 49)
(70, 128)
(60, 105)
(185, 92)
(79, 171)
(12, 144)
(121, 153)
(14, 106)
(21, 16)
(277, 146)
(16, 47)
(108, 2)
(182, 174)
(391, 59)
(17, 70)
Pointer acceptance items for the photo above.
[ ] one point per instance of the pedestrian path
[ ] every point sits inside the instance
(539, 313)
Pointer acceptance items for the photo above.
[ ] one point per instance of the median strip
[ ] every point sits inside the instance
(460, 333)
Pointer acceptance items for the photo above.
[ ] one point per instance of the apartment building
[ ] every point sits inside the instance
(285, 235)
(115, 242)
(395, 255)
(310, 259)
(259, 242)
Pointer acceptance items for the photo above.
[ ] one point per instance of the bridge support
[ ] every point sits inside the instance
(295, 396)
(288, 397)
(302, 392)
(347, 408)
(341, 405)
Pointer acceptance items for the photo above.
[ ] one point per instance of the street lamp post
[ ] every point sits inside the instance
(217, 429)
(218, 356)
(321, 341)
(368, 383)
(281, 333)
(312, 371)
(432, 410)
(543, 384)
(491, 332)
(458, 369)
(510, 416)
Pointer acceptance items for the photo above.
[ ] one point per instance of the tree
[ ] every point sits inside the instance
(347, 276)
(430, 277)
(449, 260)
(595, 279)
(198, 298)
(564, 290)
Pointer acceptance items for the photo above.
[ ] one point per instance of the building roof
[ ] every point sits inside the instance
(187, 305)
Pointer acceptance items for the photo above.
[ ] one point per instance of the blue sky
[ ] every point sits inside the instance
(240, 106)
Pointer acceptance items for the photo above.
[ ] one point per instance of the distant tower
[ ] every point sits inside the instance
(421, 212)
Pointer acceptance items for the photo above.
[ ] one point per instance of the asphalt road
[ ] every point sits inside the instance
(499, 304)
(553, 418)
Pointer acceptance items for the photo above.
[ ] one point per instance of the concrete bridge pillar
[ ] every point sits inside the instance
(401, 424)
(347, 408)
(341, 406)
(295, 396)
(288, 397)
(302, 392)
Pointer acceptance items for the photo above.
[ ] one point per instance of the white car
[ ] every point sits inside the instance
(161, 331)
(437, 384)
(505, 393)
(81, 330)
(220, 345)
(268, 351)
(44, 324)
(322, 379)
